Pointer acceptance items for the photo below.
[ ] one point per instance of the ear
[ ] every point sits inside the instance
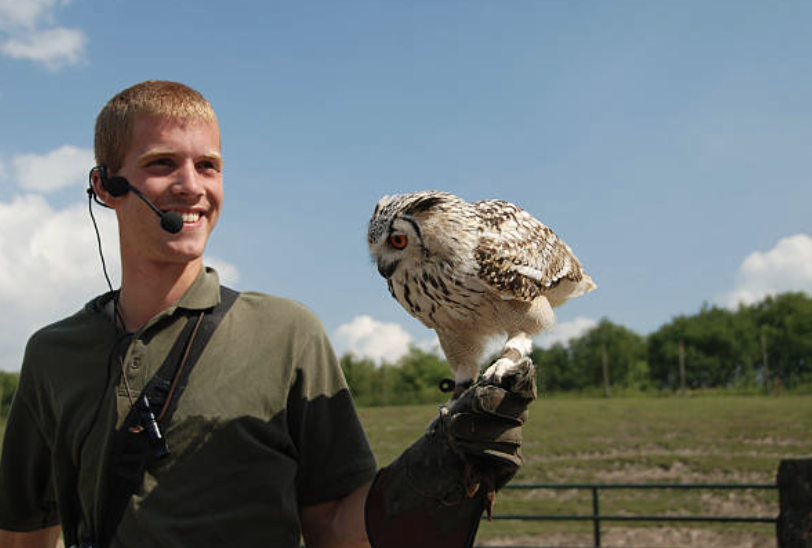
(102, 196)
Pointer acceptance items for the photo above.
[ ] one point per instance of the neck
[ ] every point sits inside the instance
(148, 289)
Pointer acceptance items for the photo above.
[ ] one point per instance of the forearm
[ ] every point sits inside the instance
(43, 538)
(336, 524)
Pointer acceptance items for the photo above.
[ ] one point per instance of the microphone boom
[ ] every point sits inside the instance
(171, 221)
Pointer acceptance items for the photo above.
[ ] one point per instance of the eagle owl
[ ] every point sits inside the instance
(473, 271)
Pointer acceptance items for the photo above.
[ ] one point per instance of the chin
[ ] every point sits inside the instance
(186, 251)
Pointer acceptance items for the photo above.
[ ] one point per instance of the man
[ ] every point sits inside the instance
(264, 444)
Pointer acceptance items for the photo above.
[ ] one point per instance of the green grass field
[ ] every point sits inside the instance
(691, 439)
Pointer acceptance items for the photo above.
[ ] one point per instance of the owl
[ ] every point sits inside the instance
(473, 272)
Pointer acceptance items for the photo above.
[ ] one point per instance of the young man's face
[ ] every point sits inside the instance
(177, 166)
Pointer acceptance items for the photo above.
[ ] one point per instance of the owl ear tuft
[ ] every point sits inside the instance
(425, 204)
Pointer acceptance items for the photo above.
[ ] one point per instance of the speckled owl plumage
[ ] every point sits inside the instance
(472, 271)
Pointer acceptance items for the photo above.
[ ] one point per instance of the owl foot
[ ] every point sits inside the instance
(519, 378)
(498, 369)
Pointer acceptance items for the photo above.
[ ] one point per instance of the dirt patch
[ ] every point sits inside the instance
(770, 441)
(736, 503)
(678, 472)
(655, 537)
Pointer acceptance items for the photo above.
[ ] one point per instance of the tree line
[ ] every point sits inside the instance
(765, 346)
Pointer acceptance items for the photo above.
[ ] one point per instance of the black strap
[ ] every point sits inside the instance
(133, 451)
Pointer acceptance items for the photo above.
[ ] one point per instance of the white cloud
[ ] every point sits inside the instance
(62, 167)
(227, 272)
(54, 48)
(49, 267)
(369, 338)
(785, 267)
(366, 337)
(26, 13)
(563, 332)
(430, 345)
(33, 36)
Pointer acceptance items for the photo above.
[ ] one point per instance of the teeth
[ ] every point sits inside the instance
(190, 217)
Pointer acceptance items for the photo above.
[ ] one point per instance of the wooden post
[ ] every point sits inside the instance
(605, 363)
(682, 386)
(765, 361)
(383, 384)
(794, 526)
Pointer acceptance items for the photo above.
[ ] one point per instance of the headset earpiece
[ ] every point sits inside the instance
(116, 186)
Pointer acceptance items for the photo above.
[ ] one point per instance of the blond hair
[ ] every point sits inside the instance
(114, 124)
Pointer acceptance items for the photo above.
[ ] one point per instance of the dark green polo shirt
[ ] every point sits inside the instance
(265, 425)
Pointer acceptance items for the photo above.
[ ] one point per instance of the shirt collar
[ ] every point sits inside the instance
(203, 294)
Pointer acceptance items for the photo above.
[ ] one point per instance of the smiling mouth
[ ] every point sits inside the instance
(189, 217)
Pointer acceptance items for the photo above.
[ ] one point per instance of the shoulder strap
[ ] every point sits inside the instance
(132, 453)
(165, 388)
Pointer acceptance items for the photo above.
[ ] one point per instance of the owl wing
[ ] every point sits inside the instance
(520, 257)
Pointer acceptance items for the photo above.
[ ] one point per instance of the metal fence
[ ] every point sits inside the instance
(597, 518)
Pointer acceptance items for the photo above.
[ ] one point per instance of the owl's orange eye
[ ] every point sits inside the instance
(398, 241)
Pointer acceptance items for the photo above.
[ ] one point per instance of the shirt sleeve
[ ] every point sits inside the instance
(27, 499)
(334, 454)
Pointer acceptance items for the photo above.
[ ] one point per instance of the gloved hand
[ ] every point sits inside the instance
(435, 492)
(484, 426)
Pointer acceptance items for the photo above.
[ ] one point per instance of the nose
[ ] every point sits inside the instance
(188, 181)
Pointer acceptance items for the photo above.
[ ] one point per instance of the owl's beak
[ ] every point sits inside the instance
(387, 269)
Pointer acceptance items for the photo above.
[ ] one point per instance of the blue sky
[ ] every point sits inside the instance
(666, 142)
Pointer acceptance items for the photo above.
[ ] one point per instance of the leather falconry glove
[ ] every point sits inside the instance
(435, 493)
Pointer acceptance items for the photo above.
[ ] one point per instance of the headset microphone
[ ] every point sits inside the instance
(171, 221)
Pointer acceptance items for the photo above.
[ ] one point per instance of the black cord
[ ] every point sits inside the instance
(117, 320)
(98, 237)
(71, 524)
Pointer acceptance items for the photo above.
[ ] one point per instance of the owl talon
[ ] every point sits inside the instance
(499, 368)
(471, 481)
(490, 500)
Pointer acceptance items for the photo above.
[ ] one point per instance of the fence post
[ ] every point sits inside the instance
(794, 526)
(682, 385)
(596, 520)
(607, 392)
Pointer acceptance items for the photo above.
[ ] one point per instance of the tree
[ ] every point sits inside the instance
(554, 369)
(625, 350)
(418, 375)
(579, 365)
(362, 378)
(785, 321)
(721, 348)
(414, 379)
(8, 385)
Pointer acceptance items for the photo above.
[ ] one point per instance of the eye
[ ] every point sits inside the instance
(206, 167)
(161, 164)
(210, 165)
(398, 241)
